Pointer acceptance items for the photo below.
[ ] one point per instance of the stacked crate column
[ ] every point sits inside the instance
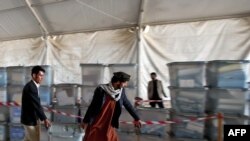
(92, 76)
(187, 74)
(188, 96)
(130, 69)
(66, 96)
(16, 82)
(228, 94)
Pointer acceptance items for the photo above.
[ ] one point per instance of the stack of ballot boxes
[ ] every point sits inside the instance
(3, 85)
(65, 120)
(4, 111)
(15, 84)
(66, 102)
(228, 94)
(188, 98)
(4, 115)
(92, 76)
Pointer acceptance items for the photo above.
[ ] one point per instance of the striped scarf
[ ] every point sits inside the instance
(115, 94)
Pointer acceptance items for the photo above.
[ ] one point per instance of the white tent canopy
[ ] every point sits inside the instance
(34, 18)
(150, 33)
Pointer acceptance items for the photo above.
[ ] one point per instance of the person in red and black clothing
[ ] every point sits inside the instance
(102, 116)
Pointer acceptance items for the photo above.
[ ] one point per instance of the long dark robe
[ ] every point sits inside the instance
(101, 129)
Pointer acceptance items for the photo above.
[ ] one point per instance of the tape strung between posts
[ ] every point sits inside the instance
(15, 104)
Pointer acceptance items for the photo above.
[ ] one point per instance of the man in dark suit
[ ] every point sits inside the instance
(32, 111)
(155, 91)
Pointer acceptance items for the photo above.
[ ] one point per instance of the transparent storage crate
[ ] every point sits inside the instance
(15, 93)
(92, 74)
(45, 94)
(187, 74)
(3, 94)
(16, 132)
(16, 75)
(3, 131)
(48, 76)
(188, 100)
(3, 76)
(70, 110)
(227, 101)
(4, 114)
(153, 115)
(130, 69)
(66, 94)
(65, 132)
(211, 126)
(187, 129)
(87, 93)
(15, 114)
(227, 73)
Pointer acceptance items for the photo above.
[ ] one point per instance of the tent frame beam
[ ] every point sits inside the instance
(247, 14)
(32, 5)
(138, 32)
(47, 3)
(40, 21)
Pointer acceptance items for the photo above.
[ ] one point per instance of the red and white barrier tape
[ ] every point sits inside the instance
(9, 104)
(173, 121)
(15, 104)
(62, 113)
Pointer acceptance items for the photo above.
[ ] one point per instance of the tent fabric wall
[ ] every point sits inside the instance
(67, 52)
(227, 39)
(159, 45)
(23, 52)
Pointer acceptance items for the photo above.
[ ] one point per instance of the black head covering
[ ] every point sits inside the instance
(122, 76)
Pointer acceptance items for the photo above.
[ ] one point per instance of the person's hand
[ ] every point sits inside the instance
(84, 126)
(137, 123)
(47, 123)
